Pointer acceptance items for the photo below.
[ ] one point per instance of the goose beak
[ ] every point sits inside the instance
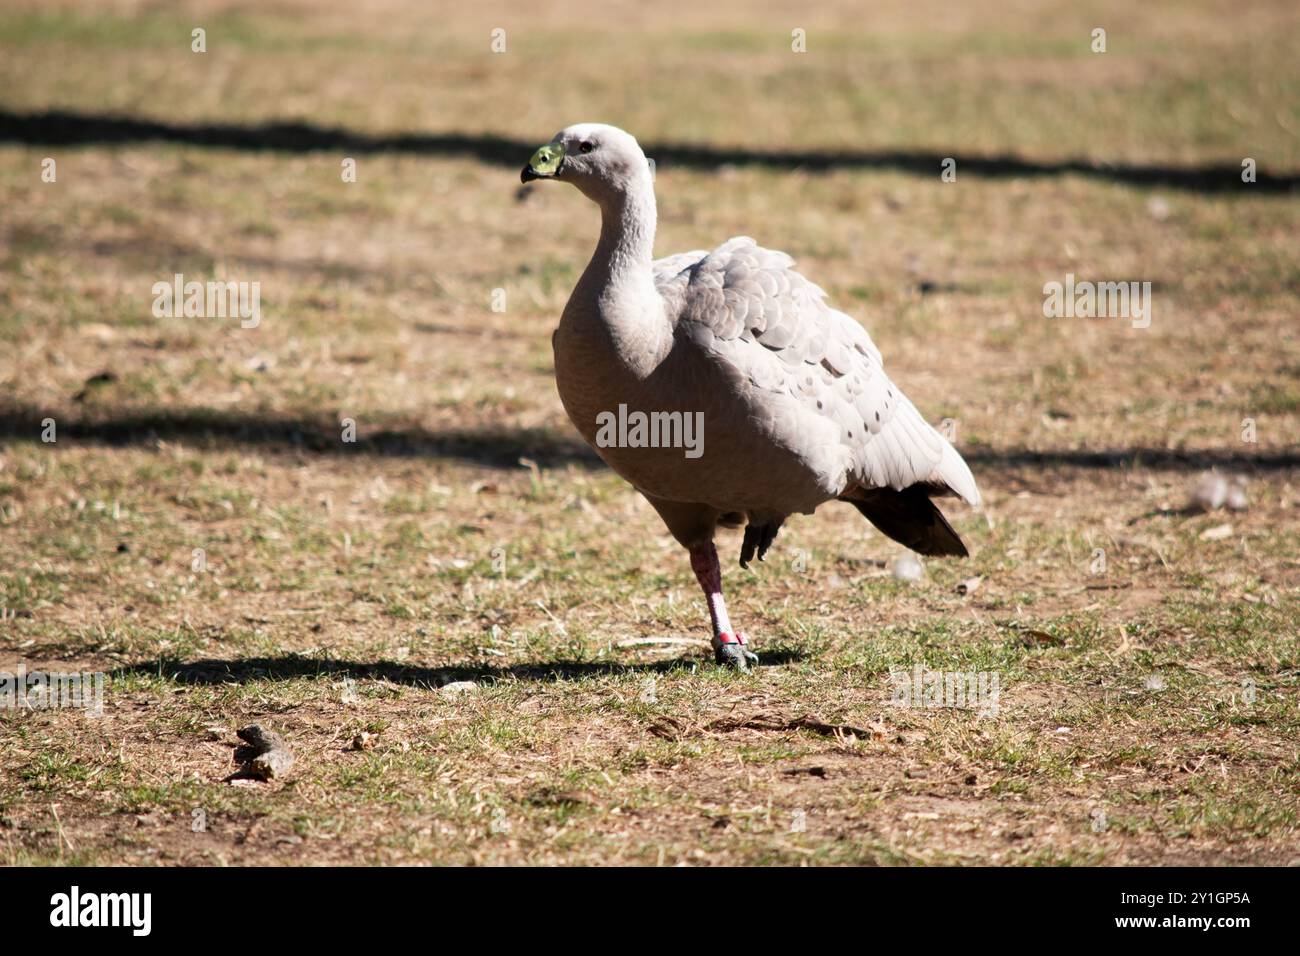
(545, 164)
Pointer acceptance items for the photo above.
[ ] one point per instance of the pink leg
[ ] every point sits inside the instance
(728, 644)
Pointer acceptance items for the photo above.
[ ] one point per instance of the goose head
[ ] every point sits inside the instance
(604, 162)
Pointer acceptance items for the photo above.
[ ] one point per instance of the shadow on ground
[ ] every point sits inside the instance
(289, 667)
(208, 428)
(65, 128)
(502, 447)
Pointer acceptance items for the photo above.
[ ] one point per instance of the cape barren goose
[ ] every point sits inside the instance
(792, 397)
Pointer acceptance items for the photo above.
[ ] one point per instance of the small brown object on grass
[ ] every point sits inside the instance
(266, 757)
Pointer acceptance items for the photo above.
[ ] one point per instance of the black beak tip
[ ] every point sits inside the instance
(527, 175)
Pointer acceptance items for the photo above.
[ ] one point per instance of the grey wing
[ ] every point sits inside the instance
(672, 275)
(748, 306)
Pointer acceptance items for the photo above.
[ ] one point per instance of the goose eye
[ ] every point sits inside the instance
(585, 147)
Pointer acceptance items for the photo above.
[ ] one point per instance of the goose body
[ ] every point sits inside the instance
(790, 396)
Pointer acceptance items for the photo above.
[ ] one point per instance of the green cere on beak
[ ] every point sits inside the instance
(544, 164)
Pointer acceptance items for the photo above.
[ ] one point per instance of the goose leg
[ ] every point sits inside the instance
(730, 647)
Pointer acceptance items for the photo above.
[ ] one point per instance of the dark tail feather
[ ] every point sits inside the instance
(911, 519)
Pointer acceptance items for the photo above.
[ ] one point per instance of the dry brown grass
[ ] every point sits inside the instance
(346, 583)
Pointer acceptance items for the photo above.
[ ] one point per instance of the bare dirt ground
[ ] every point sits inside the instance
(201, 532)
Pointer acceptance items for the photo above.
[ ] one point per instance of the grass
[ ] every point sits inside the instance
(201, 532)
